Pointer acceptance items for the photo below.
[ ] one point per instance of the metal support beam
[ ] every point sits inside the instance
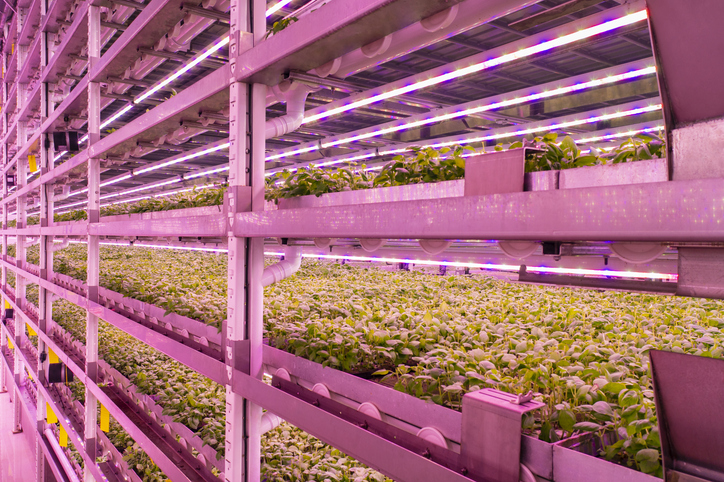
(247, 111)
(93, 267)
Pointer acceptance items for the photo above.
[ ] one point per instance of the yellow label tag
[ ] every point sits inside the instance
(31, 332)
(32, 162)
(7, 305)
(10, 343)
(50, 414)
(52, 357)
(105, 419)
(63, 439)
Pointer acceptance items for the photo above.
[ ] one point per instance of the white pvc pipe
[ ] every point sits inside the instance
(295, 96)
(283, 269)
(269, 421)
(62, 245)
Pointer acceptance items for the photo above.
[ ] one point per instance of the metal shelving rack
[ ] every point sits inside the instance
(74, 65)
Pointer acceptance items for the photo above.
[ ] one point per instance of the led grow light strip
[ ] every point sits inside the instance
(499, 105)
(169, 193)
(169, 181)
(193, 63)
(154, 167)
(503, 59)
(545, 94)
(631, 133)
(182, 159)
(533, 130)
(499, 267)
(328, 163)
(275, 8)
(116, 116)
(470, 140)
(425, 262)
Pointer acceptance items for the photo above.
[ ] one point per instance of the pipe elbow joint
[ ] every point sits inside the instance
(283, 269)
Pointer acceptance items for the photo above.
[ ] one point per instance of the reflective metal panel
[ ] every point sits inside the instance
(689, 393)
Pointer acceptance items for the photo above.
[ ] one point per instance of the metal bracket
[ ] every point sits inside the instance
(491, 436)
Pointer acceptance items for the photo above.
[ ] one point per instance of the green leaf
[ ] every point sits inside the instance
(647, 455)
(603, 408)
(566, 420)
(613, 387)
(587, 426)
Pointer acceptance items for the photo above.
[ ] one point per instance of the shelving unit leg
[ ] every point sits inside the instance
(5, 160)
(20, 256)
(246, 256)
(93, 267)
(237, 411)
(45, 303)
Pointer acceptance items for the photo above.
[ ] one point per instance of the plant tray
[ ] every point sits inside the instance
(654, 170)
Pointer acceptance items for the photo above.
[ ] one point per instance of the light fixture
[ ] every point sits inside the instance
(426, 262)
(192, 63)
(503, 135)
(503, 59)
(275, 8)
(500, 105)
(182, 159)
(604, 79)
(617, 135)
(533, 130)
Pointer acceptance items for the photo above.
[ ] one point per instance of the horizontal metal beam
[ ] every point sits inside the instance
(387, 457)
(328, 33)
(663, 212)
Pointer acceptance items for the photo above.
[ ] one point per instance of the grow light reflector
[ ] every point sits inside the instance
(503, 59)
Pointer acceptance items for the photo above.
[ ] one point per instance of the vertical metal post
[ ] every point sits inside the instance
(5, 208)
(5, 160)
(3, 381)
(93, 268)
(255, 269)
(20, 283)
(236, 312)
(246, 256)
(45, 305)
